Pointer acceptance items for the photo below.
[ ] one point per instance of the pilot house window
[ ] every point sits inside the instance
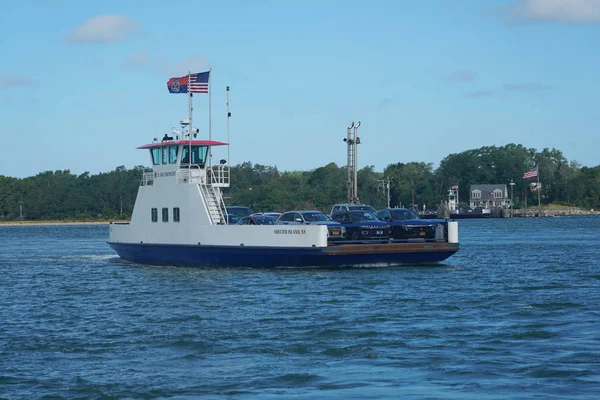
(155, 153)
(173, 154)
(154, 215)
(165, 214)
(198, 155)
(175, 214)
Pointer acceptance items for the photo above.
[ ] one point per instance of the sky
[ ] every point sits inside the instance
(83, 83)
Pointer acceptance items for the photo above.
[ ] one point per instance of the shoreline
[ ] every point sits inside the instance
(52, 223)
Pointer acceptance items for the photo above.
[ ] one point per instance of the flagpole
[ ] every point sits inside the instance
(209, 104)
(191, 125)
(539, 189)
(228, 117)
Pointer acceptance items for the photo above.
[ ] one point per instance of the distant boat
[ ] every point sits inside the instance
(465, 213)
(428, 214)
(457, 212)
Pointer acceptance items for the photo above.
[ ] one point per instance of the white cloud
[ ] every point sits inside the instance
(9, 80)
(562, 11)
(193, 64)
(138, 60)
(161, 64)
(104, 29)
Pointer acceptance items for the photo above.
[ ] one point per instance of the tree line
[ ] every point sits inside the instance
(61, 195)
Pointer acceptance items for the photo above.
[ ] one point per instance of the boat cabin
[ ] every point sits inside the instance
(188, 161)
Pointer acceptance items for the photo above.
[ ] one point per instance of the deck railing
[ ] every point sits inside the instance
(220, 175)
(147, 178)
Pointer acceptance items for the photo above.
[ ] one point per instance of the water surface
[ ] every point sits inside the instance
(514, 314)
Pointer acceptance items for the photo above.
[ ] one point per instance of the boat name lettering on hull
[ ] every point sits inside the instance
(290, 231)
(163, 174)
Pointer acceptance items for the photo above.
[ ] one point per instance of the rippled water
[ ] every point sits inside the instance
(514, 314)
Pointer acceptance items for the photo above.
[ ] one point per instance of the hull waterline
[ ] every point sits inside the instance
(247, 256)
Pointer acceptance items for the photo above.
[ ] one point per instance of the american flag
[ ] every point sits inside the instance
(532, 173)
(199, 82)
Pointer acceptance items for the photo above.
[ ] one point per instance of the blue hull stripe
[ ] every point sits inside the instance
(169, 254)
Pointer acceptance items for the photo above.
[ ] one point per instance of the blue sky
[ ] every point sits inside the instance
(84, 83)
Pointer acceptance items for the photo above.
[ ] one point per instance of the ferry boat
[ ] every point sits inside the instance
(179, 218)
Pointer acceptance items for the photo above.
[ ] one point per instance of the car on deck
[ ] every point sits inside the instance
(313, 217)
(363, 225)
(240, 211)
(268, 214)
(257, 220)
(232, 219)
(406, 224)
(351, 207)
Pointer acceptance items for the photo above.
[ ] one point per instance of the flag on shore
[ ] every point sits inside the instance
(193, 83)
(532, 173)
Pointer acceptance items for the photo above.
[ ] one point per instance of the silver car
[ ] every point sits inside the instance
(313, 217)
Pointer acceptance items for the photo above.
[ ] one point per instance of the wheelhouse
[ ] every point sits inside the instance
(181, 153)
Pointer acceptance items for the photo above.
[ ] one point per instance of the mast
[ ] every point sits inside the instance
(228, 117)
(191, 125)
(539, 189)
(209, 104)
(209, 116)
(349, 184)
(356, 143)
(457, 201)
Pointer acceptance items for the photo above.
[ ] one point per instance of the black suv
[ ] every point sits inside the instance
(239, 211)
(406, 224)
(362, 225)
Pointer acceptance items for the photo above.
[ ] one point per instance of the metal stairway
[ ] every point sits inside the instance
(211, 201)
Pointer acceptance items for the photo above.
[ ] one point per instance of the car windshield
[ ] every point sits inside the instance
(363, 216)
(239, 211)
(362, 208)
(401, 214)
(266, 220)
(233, 219)
(315, 216)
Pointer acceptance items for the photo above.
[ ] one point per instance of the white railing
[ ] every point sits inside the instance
(189, 175)
(213, 203)
(220, 175)
(147, 178)
(183, 176)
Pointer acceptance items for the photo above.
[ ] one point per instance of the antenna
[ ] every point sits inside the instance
(351, 141)
(228, 116)
(350, 158)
